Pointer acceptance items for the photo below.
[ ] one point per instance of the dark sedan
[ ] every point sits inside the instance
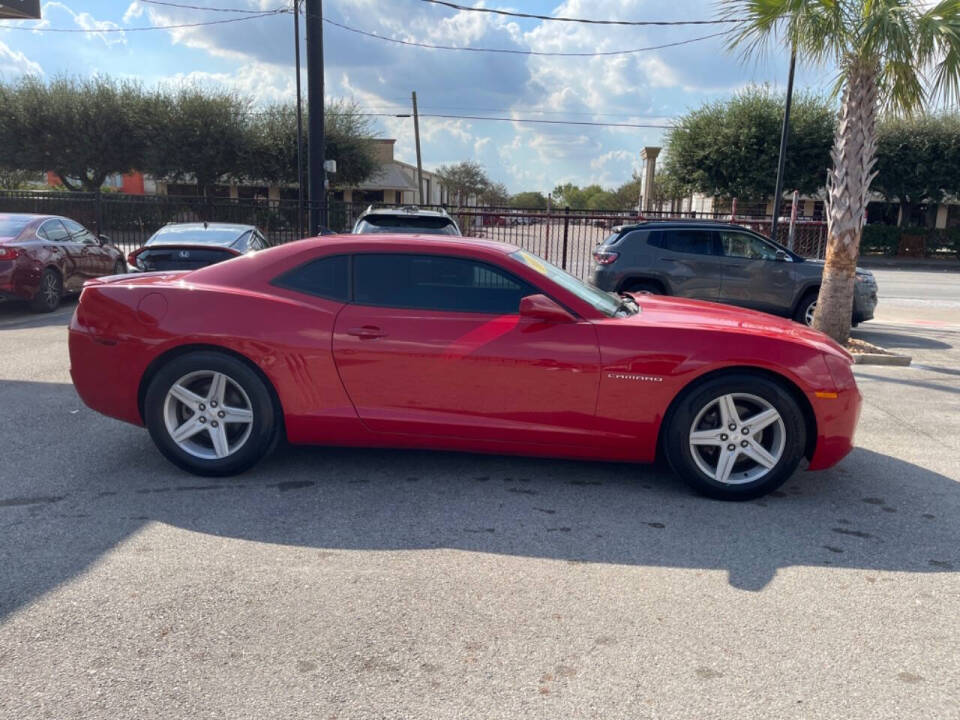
(44, 257)
(189, 246)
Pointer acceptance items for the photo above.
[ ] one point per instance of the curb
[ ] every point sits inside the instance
(881, 359)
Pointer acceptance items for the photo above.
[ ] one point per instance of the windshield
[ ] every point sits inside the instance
(405, 224)
(604, 302)
(198, 235)
(11, 225)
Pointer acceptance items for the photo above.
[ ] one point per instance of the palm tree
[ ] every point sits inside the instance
(895, 55)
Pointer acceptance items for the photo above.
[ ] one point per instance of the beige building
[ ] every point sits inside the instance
(396, 182)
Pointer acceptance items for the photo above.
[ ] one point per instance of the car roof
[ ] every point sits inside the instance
(201, 226)
(690, 222)
(406, 211)
(29, 217)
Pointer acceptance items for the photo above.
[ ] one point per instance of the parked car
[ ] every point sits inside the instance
(408, 219)
(188, 246)
(719, 262)
(457, 344)
(44, 257)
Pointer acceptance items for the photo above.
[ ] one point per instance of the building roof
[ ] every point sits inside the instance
(389, 177)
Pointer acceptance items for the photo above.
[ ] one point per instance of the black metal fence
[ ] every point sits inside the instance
(564, 236)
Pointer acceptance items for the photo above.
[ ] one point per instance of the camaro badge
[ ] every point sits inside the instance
(184, 254)
(640, 378)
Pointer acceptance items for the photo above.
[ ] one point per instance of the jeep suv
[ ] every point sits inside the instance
(718, 262)
(409, 219)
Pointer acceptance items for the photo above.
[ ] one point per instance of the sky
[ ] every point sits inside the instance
(255, 56)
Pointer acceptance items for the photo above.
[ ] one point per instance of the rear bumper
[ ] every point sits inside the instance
(18, 280)
(106, 374)
(837, 420)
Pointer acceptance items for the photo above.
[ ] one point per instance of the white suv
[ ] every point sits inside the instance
(407, 220)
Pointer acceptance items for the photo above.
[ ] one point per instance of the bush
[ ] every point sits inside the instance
(885, 240)
(880, 240)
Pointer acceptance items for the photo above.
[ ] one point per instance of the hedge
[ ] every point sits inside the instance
(885, 240)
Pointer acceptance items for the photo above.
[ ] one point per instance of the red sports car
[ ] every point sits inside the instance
(43, 257)
(456, 343)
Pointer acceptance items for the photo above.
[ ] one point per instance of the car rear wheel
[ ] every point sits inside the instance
(806, 308)
(48, 295)
(210, 414)
(120, 268)
(735, 437)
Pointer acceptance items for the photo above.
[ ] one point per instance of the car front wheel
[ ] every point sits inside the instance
(210, 414)
(736, 437)
(49, 293)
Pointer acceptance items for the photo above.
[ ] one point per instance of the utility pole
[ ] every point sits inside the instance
(296, 46)
(416, 131)
(317, 148)
(778, 192)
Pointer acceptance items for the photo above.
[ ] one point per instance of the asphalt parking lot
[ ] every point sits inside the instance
(331, 583)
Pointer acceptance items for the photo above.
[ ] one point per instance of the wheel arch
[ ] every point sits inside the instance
(158, 362)
(653, 280)
(809, 417)
(813, 287)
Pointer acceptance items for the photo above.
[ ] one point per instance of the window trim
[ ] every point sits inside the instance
(278, 281)
(68, 238)
(504, 271)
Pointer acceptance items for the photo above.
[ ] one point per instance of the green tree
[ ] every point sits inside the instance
(464, 180)
(529, 200)
(198, 134)
(11, 179)
(495, 194)
(918, 160)
(82, 129)
(730, 148)
(891, 53)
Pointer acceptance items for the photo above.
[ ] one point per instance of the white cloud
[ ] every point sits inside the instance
(14, 62)
(134, 11)
(83, 20)
(263, 83)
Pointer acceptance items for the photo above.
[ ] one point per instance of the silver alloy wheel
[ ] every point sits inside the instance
(808, 315)
(208, 415)
(737, 438)
(51, 289)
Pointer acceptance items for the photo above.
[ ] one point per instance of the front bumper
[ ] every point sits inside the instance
(864, 300)
(837, 419)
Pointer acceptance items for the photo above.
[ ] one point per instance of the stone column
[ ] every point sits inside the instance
(649, 157)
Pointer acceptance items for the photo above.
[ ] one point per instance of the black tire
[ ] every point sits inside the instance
(800, 314)
(264, 430)
(697, 400)
(120, 268)
(49, 293)
(641, 286)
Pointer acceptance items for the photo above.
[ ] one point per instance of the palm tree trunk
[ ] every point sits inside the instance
(848, 184)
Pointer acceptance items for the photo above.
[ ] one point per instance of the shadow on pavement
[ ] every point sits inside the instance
(900, 340)
(76, 485)
(16, 315)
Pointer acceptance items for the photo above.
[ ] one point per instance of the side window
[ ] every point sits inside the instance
(327, 278)
(694, 242)
(434, 282)
(54, 230)
(741, 245)
(79, 232)
(257, 242)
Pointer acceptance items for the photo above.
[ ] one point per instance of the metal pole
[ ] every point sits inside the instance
(416, 131)
(783, 146)
(296, 45)
(793, 219)
(316, 149)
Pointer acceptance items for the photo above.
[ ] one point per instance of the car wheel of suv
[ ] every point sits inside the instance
(210, 414)
(736, 437)
(806, 308)
(641, 286)
(120, 268)
(48, 295)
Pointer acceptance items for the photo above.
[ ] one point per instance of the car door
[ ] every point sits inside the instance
(687, 258)
(55, 234)
(97, 260)
(753, 276)
(434, 345)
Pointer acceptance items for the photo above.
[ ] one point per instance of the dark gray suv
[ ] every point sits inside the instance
(721, 263)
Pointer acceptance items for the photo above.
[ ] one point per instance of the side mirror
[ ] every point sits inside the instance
(104, 239)
(781, 256)
(540, 307)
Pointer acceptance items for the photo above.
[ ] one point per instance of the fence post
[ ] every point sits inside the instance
(793, 220)
(98, 212)
(566, 232)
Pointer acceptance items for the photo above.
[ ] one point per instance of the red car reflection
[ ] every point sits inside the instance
(462, 344)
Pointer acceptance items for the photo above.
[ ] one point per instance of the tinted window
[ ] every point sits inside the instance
(197, 234)
(79, 232)
(54, 230)
(430, 225)
(741, 245)
(12, 226)
(696, 242)
(327, 278)
(436, 283)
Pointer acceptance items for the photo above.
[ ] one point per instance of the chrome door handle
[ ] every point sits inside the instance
(367, 332)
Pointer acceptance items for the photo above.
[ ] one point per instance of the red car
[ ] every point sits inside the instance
(457, 344)
(43, 257)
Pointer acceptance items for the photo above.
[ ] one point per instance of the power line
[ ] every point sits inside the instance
(521, 120)
(533, 16)
(270, 13)
(183, 6)
(521, 52)
(402, 106)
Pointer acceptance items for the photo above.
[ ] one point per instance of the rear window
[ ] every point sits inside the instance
(693, 241)
(198, 236)
(431, 225)
(327, 278)
(12, 226)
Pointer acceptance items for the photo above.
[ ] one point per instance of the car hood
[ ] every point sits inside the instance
(820, 263)
(698, 314)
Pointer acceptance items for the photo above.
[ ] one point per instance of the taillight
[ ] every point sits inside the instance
(605, 257)
(132, 258)
(10, 253)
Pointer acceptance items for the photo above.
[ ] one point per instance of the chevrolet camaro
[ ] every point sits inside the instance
(458, 344)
